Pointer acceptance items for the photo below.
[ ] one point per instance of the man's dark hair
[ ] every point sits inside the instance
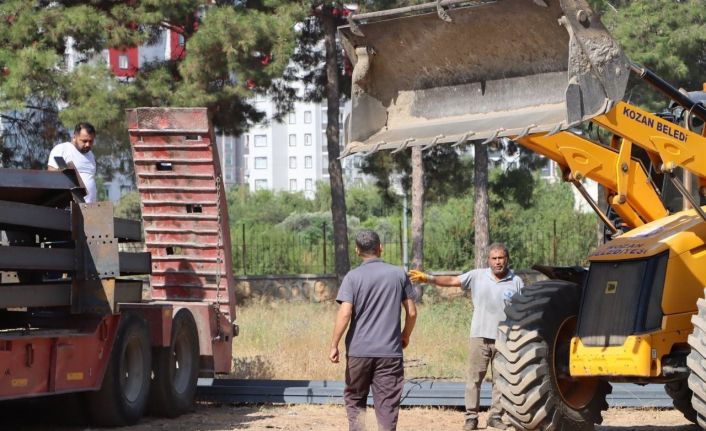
(88, 127)
(367, 241)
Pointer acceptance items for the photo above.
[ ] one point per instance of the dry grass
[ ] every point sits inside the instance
(280, 340)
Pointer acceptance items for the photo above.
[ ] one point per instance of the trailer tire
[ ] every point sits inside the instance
(696, 362)
(176, 369)
(532, 362)
(122, 398)
(681, 396)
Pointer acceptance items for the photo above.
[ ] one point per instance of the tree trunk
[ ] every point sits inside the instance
(417, 209)
(480, 208)
(338, 201)
(417, 215)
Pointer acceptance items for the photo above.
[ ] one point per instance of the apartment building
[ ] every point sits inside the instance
(291, 155)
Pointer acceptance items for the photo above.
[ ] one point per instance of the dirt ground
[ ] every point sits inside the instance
(332, 418)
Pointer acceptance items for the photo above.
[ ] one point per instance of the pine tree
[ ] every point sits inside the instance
(234, 50)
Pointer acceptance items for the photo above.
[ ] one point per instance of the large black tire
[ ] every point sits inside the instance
(696, 361)
(176, 369)
(122, 398)
(681, 398)
(532, 362)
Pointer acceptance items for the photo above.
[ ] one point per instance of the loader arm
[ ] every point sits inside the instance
(674, 145)
(583, 158)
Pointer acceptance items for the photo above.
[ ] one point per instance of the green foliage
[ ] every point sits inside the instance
(235, 54)
(447, 172)
(309, 226)
(284, 231)
(129, 206)
(264, 206)
(363, 202)
(512, 185)
(666, 36)
(448, 234)
(549, 231)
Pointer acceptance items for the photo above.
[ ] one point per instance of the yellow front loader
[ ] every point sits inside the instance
(531, 70)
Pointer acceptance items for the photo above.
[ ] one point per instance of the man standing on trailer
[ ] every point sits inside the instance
(491, 288)
(79, 152)
(371, 298)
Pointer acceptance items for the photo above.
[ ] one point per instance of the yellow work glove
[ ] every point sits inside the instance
(419, 276)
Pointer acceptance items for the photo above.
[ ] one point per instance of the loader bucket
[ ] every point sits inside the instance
(451, 71)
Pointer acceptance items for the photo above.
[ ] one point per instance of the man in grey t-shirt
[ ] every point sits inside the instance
(371, 298)
(491, 289)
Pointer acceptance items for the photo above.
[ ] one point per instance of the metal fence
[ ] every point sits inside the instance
(277, 252)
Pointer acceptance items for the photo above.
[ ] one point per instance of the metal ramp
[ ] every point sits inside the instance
(183, 206)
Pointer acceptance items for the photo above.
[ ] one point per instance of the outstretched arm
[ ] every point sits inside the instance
(440, 280)
(343, 317)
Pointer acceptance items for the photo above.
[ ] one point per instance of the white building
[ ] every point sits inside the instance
(285, 156)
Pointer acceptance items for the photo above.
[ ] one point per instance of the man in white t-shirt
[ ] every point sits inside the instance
(79, 152)
(491, 289)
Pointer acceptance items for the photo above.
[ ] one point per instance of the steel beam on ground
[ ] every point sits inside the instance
(58, 294)
(416, 393)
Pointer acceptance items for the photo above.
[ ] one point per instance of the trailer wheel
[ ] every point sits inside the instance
(681, 396)
(536, 389)
(122, 398)
(175, 369)
(696, 361)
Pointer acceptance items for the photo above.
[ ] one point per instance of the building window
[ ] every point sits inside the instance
(122, 61)
(260, 162)
(307, 139)
(229, 176)
(181, 40)
(307, 162)
(292, 140)
(308, 184)
(324, 161)
(260, 140)
(229, 159)
(260, 184)
(292, 118)
(307, 117)
(324, 118)
(292, 162)
(293, 185)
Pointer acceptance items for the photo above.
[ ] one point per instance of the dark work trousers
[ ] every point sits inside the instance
(481, 352)
(386, 378)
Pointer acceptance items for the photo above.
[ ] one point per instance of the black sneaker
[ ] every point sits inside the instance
(497, 423)
(471, 424)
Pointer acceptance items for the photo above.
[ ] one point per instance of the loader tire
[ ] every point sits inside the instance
(175, 369)
(696, 361)
(532, 364)
(681, 395)
(122, 398)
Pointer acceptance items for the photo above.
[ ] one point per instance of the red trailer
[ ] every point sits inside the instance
(71, 318)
